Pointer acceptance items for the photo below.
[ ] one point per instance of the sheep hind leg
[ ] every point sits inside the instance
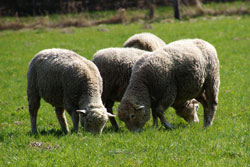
(109, 105)
(209, 111)
(212, 101)
(60, 113)
(211, 93)
(34, 105)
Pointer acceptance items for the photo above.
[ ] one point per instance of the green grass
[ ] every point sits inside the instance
(226, 143)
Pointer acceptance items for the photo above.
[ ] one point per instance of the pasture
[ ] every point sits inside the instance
(225, 143)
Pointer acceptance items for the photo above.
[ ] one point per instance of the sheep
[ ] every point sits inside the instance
(144, 41)
(115, 66)
(68, 81)
(150, 42)
(170, 76)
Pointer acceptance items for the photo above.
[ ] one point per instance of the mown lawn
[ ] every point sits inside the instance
(226, 143)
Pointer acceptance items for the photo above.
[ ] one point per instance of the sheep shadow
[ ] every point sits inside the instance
(107, 130)
(110, 129)
(46, 132)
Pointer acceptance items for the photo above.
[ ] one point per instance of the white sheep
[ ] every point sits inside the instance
(66, 81)
(145, 41)
(115, 66)
(170, 76)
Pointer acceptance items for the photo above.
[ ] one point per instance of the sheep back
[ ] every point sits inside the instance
(144, 41)
(115, 66)
(60, 74)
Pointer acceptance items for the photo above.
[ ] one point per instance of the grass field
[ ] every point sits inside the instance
(226, 143)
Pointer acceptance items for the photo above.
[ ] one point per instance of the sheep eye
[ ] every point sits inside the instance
(132, 116)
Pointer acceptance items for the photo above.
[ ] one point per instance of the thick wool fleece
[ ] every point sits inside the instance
(170, 76)
(65, 80)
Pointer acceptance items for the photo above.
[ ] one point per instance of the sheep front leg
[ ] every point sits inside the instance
(75, 120)
(62, 119)
(164, 121)
(109, 105)
(74, 116)
(155, 118)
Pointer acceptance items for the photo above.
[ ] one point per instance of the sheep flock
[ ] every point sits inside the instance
(144, 75)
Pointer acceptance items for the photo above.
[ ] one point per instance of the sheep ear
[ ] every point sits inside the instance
(81, 111)
(110, 115)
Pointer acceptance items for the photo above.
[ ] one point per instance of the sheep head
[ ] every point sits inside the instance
(134, 115)
(94, 119)
(189, 111)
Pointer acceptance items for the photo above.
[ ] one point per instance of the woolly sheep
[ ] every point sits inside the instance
(115, 66)
(144, 41)
(150, 42)
(66, 80)
(170, 76)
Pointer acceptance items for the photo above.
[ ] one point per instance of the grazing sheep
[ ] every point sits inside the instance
(115, 66)
(170, 76)
(150, 42)
(66, 80)
(144, 41)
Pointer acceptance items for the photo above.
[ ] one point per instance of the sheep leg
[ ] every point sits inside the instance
(203, 100)
(212, 100)
(155, 118)
(82, 119)
(74, 116)
(164, 121)
(75, 120)
(34, 104)
(109, 105)
(211, 96)
(62, 119)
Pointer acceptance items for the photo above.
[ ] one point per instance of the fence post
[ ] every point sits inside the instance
(177, 14)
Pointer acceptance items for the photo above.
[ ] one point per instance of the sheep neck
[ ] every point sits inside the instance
(139, 94)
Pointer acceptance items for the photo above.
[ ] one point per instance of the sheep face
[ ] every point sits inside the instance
(94, 120)
(134, 116)
(189, 111)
